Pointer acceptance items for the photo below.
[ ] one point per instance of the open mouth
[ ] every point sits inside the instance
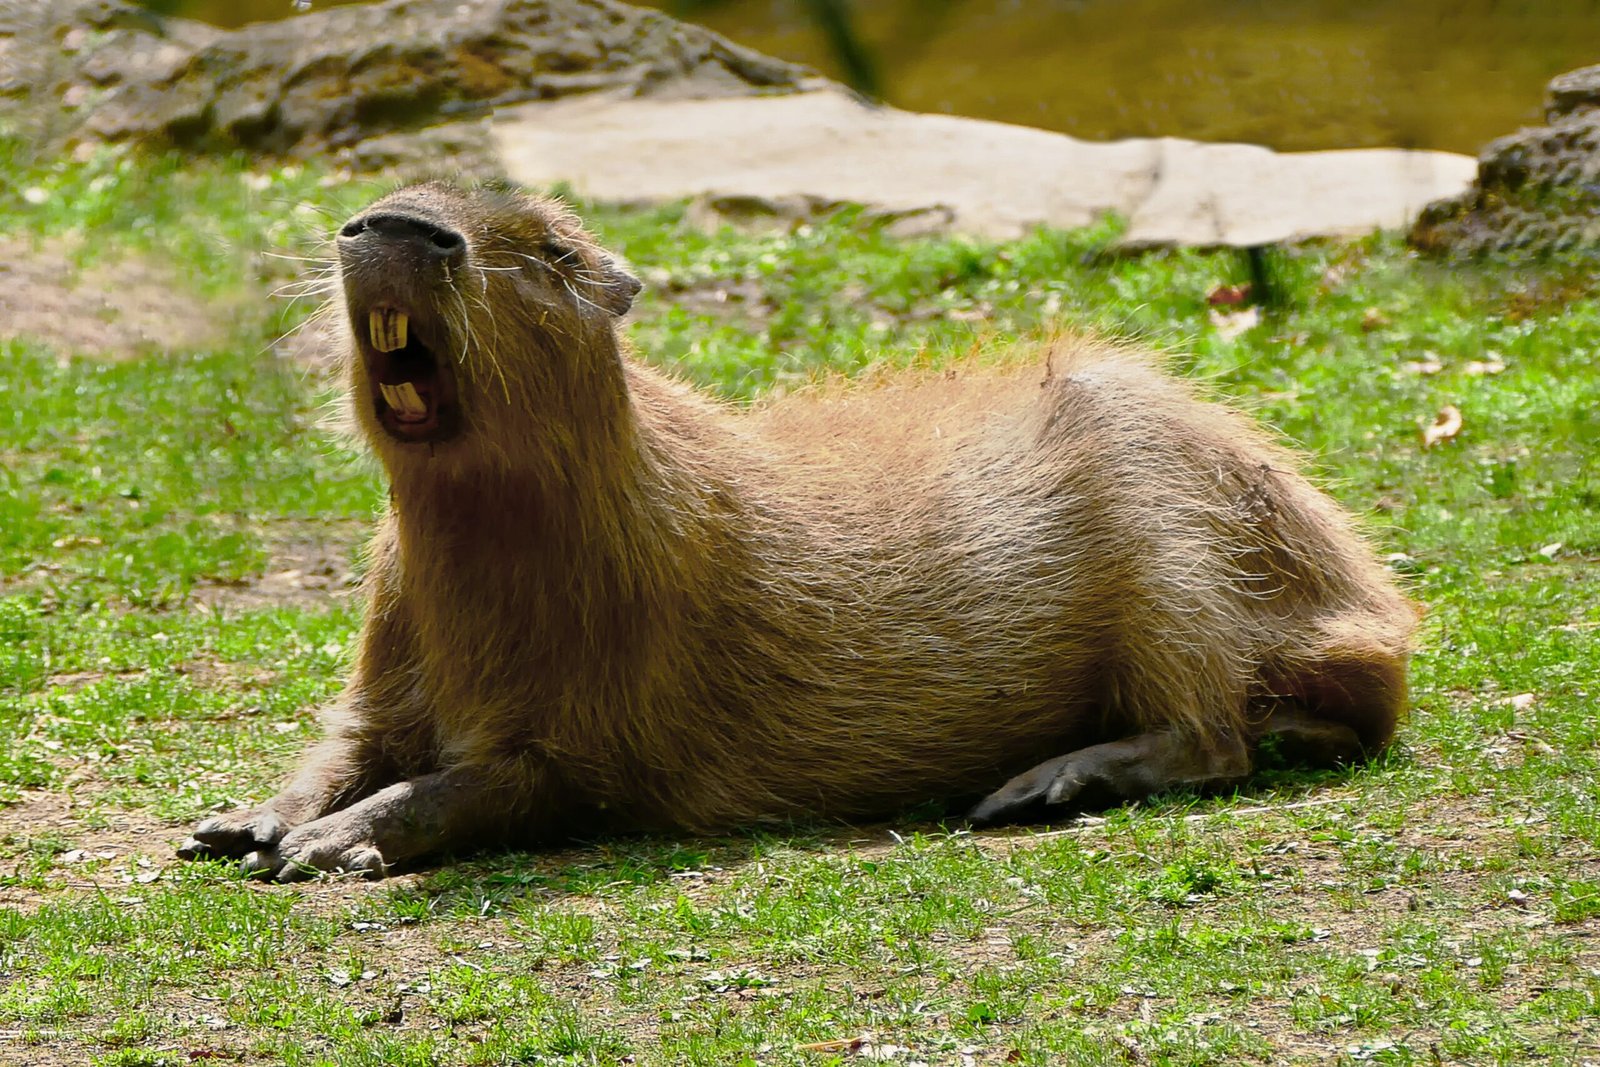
(414, 395)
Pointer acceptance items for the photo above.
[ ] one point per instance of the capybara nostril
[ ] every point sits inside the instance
(436, 240)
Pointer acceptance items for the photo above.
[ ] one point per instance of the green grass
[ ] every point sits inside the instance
(1439, 905)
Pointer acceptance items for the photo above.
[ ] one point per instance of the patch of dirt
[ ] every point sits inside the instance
(116, 309)
(111, 845)
(203, 670)
(302, 571)
(739, 301)
(43, 1048)
(315, 345)
(75, 680)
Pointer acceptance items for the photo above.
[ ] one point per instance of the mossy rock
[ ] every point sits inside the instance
(1538, 190)
(105, 70)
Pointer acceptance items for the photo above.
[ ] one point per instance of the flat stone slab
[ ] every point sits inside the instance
(986, 178)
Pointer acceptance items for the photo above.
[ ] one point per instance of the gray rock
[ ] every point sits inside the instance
(1572, 92)
(339, 76)
(1537, 191)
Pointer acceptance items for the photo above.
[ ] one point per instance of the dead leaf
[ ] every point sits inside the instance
(1373, 319)
(1428, 364)
(1229, 295)
(1445, 426)
(1521, 702)
(1480, 367)
(1231, 324)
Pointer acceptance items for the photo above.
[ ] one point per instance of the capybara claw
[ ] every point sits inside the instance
(260, 864)
(367, 862)
(234, 833)
(294, 871)
(195, 849)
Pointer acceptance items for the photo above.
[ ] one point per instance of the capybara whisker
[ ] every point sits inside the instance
(601, 601)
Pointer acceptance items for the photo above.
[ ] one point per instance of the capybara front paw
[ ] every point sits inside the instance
(234, 833)
(316, 849)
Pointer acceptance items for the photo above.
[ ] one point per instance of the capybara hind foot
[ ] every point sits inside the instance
(1304, 739)
(235, 833)
(1108, 774)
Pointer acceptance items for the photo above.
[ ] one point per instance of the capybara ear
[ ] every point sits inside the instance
(617, 286)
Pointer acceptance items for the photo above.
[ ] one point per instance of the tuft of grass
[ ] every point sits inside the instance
(159, 654)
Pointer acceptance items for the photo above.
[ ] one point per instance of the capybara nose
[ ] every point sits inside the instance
(434, 240)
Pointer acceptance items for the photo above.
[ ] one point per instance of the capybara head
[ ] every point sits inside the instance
(475, 315)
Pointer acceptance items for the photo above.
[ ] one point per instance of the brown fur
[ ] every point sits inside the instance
(612, 603)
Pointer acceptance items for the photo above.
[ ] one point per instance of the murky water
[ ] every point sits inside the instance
(1295, 74)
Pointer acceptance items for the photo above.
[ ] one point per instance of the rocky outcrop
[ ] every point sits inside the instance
(1537, 191)
(105, 70)
(627, 104)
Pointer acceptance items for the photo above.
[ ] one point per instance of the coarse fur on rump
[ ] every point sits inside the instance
(603, 601)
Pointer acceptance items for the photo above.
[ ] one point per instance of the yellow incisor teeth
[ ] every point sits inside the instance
(404, 398)
(387, 328)
(410, 401)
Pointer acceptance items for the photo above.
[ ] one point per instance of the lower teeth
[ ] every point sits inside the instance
(404, 398)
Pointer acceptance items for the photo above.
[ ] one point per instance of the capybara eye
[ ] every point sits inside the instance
(553, 250)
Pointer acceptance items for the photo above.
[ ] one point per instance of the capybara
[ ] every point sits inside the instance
(601, 601)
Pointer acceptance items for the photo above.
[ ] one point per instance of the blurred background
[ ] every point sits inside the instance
(1291, 74)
